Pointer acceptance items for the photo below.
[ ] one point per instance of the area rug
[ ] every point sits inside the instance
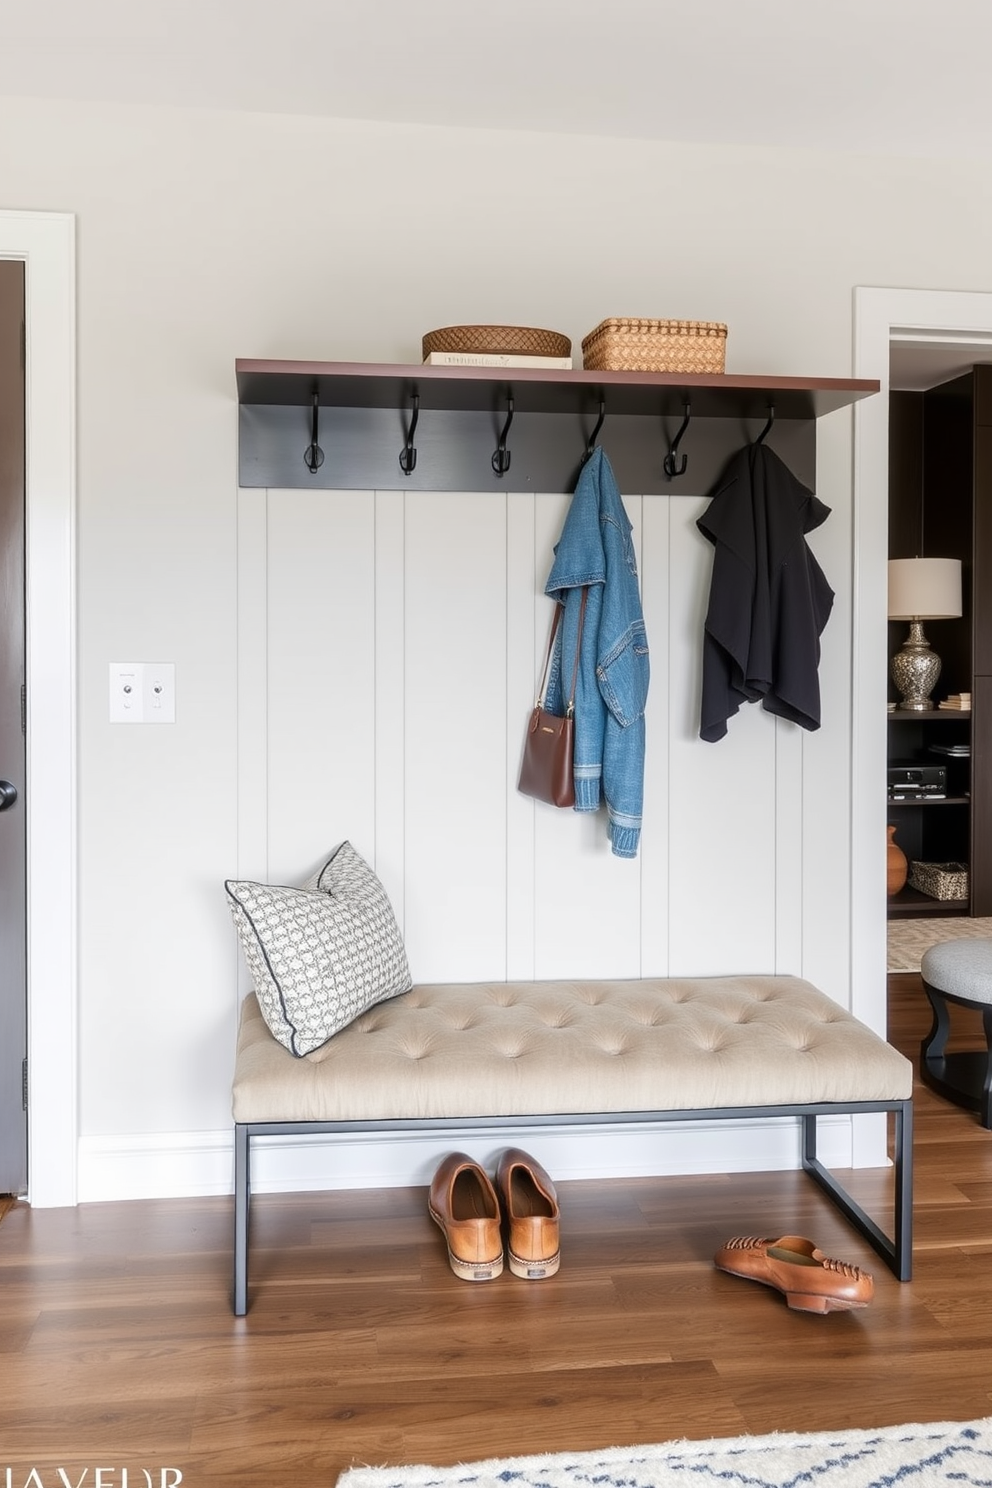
(908, 939)
(955, 1453)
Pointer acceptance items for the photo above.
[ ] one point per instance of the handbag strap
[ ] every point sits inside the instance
(578, 647)
(570, 708)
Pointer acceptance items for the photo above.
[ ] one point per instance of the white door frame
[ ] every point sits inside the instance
(882, 318)
(45, 241)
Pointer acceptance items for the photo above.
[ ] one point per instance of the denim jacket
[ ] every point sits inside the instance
(596, 549)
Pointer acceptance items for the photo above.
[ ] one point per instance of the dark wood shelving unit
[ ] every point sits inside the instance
(940, 505)
(365, 411)
(931, 830)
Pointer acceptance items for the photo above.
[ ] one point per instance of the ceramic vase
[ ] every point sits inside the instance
(897, 866)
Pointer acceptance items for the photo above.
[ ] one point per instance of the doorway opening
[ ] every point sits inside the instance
(893, 330)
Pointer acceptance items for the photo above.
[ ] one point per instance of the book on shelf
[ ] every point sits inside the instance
(960, 701)
(494, 359)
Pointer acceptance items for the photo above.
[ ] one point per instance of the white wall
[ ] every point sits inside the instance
(204, 237)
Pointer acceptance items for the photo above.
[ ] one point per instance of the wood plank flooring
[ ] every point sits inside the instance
(118, 1346)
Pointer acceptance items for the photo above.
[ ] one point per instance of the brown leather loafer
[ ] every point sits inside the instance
(810, 1280)
(530, 1205)
(463, 1202)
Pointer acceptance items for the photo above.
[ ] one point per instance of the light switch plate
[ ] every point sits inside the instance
(142, 692)
(160, 692)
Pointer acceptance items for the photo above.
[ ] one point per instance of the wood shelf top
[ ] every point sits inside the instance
(540, 390)
(904, 715)
(912, 902)
(929, 801)
(931, 910)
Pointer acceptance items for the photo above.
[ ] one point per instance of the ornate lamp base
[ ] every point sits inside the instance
(915, 669)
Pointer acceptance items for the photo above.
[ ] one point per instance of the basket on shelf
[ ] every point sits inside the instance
(498, 340)
(940, 880)
(625, 344)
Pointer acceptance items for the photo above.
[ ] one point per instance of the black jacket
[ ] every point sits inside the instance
(769, 599)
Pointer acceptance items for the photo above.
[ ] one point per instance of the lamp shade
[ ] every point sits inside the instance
(924, 588)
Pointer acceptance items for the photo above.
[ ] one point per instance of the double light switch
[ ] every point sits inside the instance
(142, 692)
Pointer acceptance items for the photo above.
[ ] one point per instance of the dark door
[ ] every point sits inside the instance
(13, 835)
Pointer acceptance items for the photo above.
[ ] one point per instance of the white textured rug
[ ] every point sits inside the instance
(955, 1453)
(908, 939)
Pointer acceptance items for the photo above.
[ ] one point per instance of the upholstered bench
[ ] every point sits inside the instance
(547, 1053)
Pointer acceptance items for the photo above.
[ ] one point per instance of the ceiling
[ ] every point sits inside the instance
(890, 76)
(915, 366)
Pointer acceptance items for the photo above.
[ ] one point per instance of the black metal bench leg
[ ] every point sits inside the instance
(897, 1252)
(904, 1190)
(242, 1197)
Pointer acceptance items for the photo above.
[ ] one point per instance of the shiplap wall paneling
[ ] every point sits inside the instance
(654, 562)
(588, 901)
(253, 701)
(827, 758)
(722, 797)
(528, 614)
(454, 733)
(789, 830)
(385, 734)
(826, 876)
(395, 618)
(321, 677)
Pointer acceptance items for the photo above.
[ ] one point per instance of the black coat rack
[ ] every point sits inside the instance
(368, 426)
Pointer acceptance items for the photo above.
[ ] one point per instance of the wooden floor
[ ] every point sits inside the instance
(118, 1346)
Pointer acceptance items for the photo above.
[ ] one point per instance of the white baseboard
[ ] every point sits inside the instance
(193, 1164)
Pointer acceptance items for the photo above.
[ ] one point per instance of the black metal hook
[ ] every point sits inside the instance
(501, 455)
(408, 455)
(591, 442)
(771, 419)
(673, 465)
(313, 455)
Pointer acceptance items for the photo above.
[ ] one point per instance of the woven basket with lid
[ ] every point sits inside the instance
(498, 340)
(626, 344)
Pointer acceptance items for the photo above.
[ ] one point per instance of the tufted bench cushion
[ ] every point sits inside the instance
(552, 1053)
(534, 1048)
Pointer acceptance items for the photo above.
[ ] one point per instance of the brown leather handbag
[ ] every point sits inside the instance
(546, 767)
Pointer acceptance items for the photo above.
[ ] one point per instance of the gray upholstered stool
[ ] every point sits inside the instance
(959, 971)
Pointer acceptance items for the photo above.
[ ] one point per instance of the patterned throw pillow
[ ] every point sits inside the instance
(321, 954)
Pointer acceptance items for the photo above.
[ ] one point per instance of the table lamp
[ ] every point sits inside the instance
(921, 589)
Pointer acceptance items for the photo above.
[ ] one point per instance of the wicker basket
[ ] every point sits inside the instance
(498, 340)
(627, 345)
(940, 880)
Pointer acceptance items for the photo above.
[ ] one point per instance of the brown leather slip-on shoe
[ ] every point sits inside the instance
(463, 1202)
(810, 1280)
(530, 1205)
